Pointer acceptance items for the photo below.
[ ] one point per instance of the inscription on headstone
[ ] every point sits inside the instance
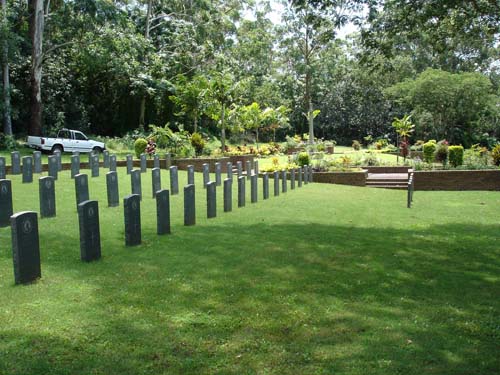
(189, 205)
(75, 165)
(112, 189)
(2, 168)
(95, 165)
(206, 174)
(241, 191)
(144, 163)
(53, 168)
(229, 170)
(105, 155)
(253, 188)
(155, 180)
(81, 188)
(265, 185)
(90, 234)
(37, 161)
(228, 195)
(130, 164)
(15, 160)
(27, 169)
(135, 182)
(211, 200)
(156, 161)
(25, 247)
(47, 196)
(174, 180)
(283, 181)
(276, 183)
(248, 168)
(112, 163)
(218, 170)
(163, 212)
(5, 202)
(132, 210)
(190, 174)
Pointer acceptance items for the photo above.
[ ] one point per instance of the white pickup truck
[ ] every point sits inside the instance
(67, 141)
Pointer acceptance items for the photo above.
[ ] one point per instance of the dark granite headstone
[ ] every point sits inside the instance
(105, 161)
(90, 234)
(27, 169)
(248, 168)
(228, 195)
(15, 160)
(58, 156)
(144, 163)
(37, 161)
(218, 171)
(283, 181)
(305, 174)
(25, 247)
(163, 212)
(239, 168)
(265, 185)
(310, 178)
(174, 180)
(135, 182)
(189, 205)
(156, 161)
(211, 200)
(112, 163)
(81, 188)
(299, 175)
(292, 179)
(168, 160)
(75, 165)
(112, 188)
(276, 183)
(256, 167)
(206, 174)
(47, 196)
(241, 191)
(253, 188)
(53, 167)
(91, 160)
(95, 165)
(190, 174)
(3, 174)
(132, 210)
(130, 164)
(5, 202)
(155, 180)
(229, 170)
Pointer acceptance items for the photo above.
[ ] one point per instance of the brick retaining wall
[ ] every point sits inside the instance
(457, 180)
(342, 178)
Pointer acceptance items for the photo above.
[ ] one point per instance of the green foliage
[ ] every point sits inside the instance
(403, 126)
(441, 154)
(356, 145)
(495, 154)
(429, 149)
(456, 155)
(303, 159)
(198, 143)
(140, 146)
(8, 142)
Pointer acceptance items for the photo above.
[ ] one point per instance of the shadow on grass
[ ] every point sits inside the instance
(285, 299)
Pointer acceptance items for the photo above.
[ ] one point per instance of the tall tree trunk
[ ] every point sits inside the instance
(7, 122)
(223, 129)
(36, 34)
(195, 121)
(142, 109)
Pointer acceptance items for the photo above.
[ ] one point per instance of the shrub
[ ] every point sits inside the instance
(356, 145)
(495, 154)
(303, 159)
(140, 146)
(456, 155)
(429, 150)
(442, 152)
(198, 143)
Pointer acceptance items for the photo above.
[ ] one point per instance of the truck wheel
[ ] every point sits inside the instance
(97, 150)
(57, 148)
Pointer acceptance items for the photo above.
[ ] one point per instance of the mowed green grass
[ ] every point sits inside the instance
(325, 279)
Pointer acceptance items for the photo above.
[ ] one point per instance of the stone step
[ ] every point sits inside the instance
(384, 181)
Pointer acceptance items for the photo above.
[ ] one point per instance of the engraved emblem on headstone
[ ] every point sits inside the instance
(4, 189)
(48, 184)
(91, 212)
(27, 226)
(134, 205)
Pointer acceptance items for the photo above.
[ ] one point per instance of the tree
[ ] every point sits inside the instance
(36, 26)
(4, 32)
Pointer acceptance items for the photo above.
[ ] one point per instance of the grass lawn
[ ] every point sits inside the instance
(325, 279)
